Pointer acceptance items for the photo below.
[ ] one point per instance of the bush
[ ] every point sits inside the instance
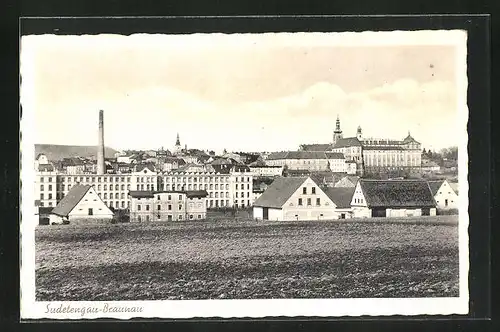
(446, 212)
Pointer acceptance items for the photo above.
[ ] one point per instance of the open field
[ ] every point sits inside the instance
(228, 260)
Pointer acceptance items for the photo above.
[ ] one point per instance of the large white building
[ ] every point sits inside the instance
(226, 188)
(315, 161)
(373, 155)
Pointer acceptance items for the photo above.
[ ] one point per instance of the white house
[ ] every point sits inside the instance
(81, 204)
(294, 198)
(444, 194)
(347, 181)
(392, 198)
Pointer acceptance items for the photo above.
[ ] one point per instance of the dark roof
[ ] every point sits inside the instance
(196, 193)
(397, 193)
(409, 139)
(140, 168)
(150, 194)
(277, 155)
(141, 193)
(222, 169)
(240, 168)
(316, 147)
(334, 155)
(435, 185)
(279, 192)
(45, 168)
(257, 163)
(340, 196)
(346, 142)
(72, 198)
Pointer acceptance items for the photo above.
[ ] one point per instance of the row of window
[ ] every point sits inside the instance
(309, 202)
(169, 217)
(358, 200)
(169, 207)
(221, 203)
(201, 187)
(313, 190)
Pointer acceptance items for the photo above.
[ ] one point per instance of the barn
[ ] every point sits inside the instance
(81, 205)
(392, 198)
(342, 198)
(294, 198)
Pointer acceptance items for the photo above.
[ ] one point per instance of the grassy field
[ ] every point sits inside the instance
(230, 260)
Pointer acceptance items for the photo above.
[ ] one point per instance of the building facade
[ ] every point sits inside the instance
(444, 194)
(167, 205)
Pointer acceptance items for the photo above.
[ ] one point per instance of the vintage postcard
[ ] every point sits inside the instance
(244, 175)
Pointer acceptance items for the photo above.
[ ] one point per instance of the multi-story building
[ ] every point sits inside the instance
(372, 155)
(226, 188)
(313, 161)
(46, 189)
(267, 170)
(167, 205)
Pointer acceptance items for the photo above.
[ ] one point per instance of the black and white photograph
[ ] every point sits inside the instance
(244, 175)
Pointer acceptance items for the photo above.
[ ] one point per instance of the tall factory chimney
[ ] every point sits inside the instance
(101, 166)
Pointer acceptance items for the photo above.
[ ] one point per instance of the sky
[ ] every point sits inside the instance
(254, 92)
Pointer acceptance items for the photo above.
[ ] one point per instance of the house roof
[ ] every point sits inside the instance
(196, 193)
(340, 196)
(454, 186)
(334, 155)
(316, 147)
(346, 142)
(45, 168)
(140, 168)
(435, 185)
(397, 193)
(141, 193)
(72, 198)
(279, 191)
(45, 209)
(306, 155)
(277, 155)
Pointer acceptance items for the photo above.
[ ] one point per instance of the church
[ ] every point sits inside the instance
(373, 155)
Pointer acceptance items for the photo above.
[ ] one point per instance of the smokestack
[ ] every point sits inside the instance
(101, 166)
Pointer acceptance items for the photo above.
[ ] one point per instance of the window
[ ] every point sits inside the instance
(169, 207)
(110, 204)
(300, 202)
(41, 179)
(304, 190)
(50, 196)
(105, 196)
(180, 207)
(180, 197)
(123, 204)
(308, 201)
(138, 218)
(111, 196)
(138, 207)
(236, 186)
(117, 187)
(158, 217)
(191, 216)
(159, 207)
(91, 211)
(41, 196)
(318, 201)
(313, 190)
(147, 207)
(41, 187)
(199, 216)
(169, 197)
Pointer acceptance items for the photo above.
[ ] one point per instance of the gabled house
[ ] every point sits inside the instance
(392, 198)
(342, 198)
(294, 198)
(444, 194)
(80, 205)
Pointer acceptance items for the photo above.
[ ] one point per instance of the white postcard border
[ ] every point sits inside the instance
(30, 309)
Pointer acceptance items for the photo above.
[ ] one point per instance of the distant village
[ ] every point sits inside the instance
(349, 177)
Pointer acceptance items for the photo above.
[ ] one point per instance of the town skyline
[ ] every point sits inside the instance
(260, 95)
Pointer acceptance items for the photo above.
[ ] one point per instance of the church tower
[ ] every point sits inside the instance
(178, 147)
(359, 134)
(337, 133)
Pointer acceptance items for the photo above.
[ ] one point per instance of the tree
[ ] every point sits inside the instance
(424, 152)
